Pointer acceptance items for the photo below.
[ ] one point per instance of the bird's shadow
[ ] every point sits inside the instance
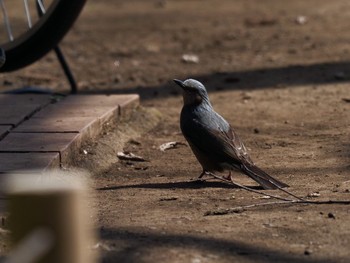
(194, 184)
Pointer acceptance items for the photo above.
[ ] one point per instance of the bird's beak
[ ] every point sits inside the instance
(180, 83)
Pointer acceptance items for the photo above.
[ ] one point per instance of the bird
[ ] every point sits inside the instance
(213, 141)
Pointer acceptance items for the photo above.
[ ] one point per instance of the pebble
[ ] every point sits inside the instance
(307, 252)
(301, 20)
(331, 215)
(190, 58)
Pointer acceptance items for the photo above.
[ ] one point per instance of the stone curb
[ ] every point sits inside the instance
(42, 135)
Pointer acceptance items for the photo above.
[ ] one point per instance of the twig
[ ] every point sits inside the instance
(247, 188)
(328, 202)
(278, 187)
(287, 192)
(284, 200)
(240, 209)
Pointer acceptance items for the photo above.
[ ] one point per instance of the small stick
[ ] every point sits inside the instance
(239, 209)
(289, 193)
(300, 200)
(247, 188)
(328, 202)
(279, 188)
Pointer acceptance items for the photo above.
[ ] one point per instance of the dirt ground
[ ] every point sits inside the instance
(278, 71)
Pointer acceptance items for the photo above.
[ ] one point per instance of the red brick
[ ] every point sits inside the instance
(25, 99)
(75, 118)
(128, 103)
(26, 161)
(102, 112)
(88, 126)
(67, 144)
(14, 114)
(125, 103)
(4, 129)
(14, 108)
(72, 110)
(94, 100)
(105, 100)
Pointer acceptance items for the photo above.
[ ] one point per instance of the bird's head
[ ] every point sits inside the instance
(194, 92)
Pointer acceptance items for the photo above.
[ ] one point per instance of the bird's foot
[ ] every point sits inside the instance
(200, 178)
(207, 174)
(222, 178)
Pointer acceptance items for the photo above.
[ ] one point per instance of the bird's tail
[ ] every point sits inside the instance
(258, 175)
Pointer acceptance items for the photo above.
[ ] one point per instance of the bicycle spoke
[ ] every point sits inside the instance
(41, 7)
(31, 28)
(6, 20)
(29, 19)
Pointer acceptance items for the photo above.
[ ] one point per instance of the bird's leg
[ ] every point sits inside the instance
(204, 172)
(228, 177)
(200, 177)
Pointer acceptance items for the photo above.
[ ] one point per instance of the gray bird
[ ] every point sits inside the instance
(212, 140)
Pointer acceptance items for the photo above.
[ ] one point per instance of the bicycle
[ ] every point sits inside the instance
(38, 37)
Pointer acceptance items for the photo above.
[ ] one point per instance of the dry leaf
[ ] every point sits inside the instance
(169, 145)
(130, 157)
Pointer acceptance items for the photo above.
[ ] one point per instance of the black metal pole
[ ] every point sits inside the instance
(60, 56)
(66, 69)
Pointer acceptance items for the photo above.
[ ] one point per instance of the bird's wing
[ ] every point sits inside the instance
(214, 141)
(224, 146)
(237, 144)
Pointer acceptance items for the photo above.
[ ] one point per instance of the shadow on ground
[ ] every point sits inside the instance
(172, 185)
(282, 77)
(138, 242)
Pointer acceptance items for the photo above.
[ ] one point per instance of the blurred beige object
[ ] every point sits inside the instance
(48, 218)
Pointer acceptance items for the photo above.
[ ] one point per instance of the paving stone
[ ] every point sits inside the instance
(93, 100)
(14, 114)
(89, 127)
(102, 112)
(72, 110)
(128, 104)
(4, 129)
(25, 99)
(61, 127)
(27, 161)
(67, 144)
(15, 108)
(125, 103)
(106, 100)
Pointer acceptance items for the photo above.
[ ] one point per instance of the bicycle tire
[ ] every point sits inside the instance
(43, 36)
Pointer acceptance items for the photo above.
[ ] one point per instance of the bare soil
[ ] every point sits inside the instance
(278, 71)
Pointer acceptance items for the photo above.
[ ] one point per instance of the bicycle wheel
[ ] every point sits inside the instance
(42, 36)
